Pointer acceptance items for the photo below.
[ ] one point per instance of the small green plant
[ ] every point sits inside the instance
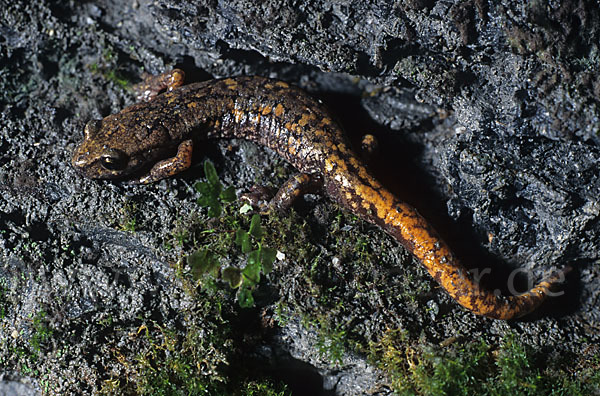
(259, 260)
(202, 262)
(212, 192)
(106, 321)
(33, 248)
(251, 242)
(115, 76)
(110, 75)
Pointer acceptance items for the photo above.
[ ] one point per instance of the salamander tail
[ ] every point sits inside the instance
(512, 307)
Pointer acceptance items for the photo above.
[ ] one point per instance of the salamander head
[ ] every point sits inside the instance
(97, 158)
(112, 147)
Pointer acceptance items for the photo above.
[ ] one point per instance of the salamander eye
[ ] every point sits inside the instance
(113, 161)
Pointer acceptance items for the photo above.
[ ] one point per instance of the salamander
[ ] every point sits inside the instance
(154, 138)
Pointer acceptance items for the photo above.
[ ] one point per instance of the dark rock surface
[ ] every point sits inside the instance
(488, 121)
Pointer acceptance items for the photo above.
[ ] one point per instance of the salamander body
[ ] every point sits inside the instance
(138, 143)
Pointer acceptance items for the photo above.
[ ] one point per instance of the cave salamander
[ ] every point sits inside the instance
(138, 144)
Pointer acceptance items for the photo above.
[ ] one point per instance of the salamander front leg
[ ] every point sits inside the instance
(152, 85)
(295, 187)
(171, 166)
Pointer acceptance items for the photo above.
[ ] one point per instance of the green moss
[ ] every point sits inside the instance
(117, 78)
(291, 234)
(474, 368)
(108, 68)
(128, 221)
(324, 306)
(4, 303)
(265, 388)
(23, 352)
(170, 363)
(321, 295)
(32, 249)
(193, 360)
(41, 333)
(202, 358)
(106, 321)
(173, 365)
(282, 314)
(331, 341)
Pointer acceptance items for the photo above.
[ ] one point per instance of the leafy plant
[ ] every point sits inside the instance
(203, 262)
(251, 242)
(212, 191)
(260, 259)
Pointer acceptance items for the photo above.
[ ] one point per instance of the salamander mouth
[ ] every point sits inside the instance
(97, 172)
(110, 164)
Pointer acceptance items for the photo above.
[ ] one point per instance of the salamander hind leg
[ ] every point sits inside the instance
(152, 85)
(295, 187)
(170, 166)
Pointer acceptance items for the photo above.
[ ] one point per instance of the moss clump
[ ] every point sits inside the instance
(264, 388)
(4, 304)
(331, 341)
(25, 351)
(129, 213)
(41, 333)
(108, 67)
(475, 368)
(201, 358)
(180, 364)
